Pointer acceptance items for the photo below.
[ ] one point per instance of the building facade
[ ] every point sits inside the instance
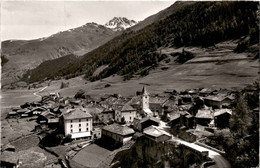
(78, 124)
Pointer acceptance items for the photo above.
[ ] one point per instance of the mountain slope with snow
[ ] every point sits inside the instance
(120, 23)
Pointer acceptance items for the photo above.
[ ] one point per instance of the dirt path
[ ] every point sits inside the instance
(36, 93)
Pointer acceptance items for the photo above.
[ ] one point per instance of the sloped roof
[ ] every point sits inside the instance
(122, 108)
(222, 111)
(204, 114)
(157, 99)
(144, 91)
(147, 111)
(76, 114)
(150, 118)
(174, 116)
(119, 129)
(135, 100)
(155, 131)
(127, 107)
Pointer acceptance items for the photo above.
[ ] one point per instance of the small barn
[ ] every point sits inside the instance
(221, 118)
(204, 117)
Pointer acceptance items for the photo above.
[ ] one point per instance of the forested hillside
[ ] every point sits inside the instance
(197, 24)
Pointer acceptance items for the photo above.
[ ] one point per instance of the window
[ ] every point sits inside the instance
(80, 130)
(71, 130)
(130, 118)
(87, 119)
(71, 121)
(79, 125)
(71, 126)
(87, 129)
(87, 124)
(79, 120)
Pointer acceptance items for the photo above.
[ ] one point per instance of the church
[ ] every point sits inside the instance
(152, 106)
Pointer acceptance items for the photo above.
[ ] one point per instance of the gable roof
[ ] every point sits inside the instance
(76, 114)
(149, 118)
(222, 111)
(207, 114)
(159, 100)
(119, 129)
(155, 131)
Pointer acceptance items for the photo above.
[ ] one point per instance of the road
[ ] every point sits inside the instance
(220, 161)
(36, 93)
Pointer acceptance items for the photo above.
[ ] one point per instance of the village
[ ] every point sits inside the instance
(84, 131)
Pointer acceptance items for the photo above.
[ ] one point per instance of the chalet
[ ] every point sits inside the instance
(9, 159)
(124, 113)
(155, 134)
(48, 118)
(218, 101)
(221, 118)
(120, 134)
(141, 124)
(77, 123)
(174, 120)
(204, 117)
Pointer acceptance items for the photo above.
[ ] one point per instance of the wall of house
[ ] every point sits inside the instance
(116, 137)
(128, 115)
(97, 132)
(78, 127)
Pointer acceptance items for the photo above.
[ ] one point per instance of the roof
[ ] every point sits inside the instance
(207, 114)
(157, 99)
(174, 116)
(9, 157)
(219, 97)
(144, 91)
(150, 118)
(127, 107)
(121, 108)
(222, 111)
(155, 131)
(148, 111)
(135, 100)
(119, 129)
(76, 114)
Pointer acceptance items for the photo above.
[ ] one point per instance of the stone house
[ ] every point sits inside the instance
(120, 134)
(155, 134)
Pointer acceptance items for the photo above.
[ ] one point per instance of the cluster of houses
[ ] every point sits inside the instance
(118, 118)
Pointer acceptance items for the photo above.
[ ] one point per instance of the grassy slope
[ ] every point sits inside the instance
(24, 55)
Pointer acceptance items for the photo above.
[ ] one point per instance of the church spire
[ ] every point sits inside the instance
(144, 91)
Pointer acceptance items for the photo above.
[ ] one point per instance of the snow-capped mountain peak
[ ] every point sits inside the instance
(120, 23)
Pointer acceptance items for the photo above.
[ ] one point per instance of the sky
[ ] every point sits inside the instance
(35, 19)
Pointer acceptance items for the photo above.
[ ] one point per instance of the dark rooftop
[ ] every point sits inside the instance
(119, 129)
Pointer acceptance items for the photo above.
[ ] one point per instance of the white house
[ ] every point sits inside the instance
(124, 113)
(78, 123)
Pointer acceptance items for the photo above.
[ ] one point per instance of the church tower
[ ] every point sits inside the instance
(145, 98)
